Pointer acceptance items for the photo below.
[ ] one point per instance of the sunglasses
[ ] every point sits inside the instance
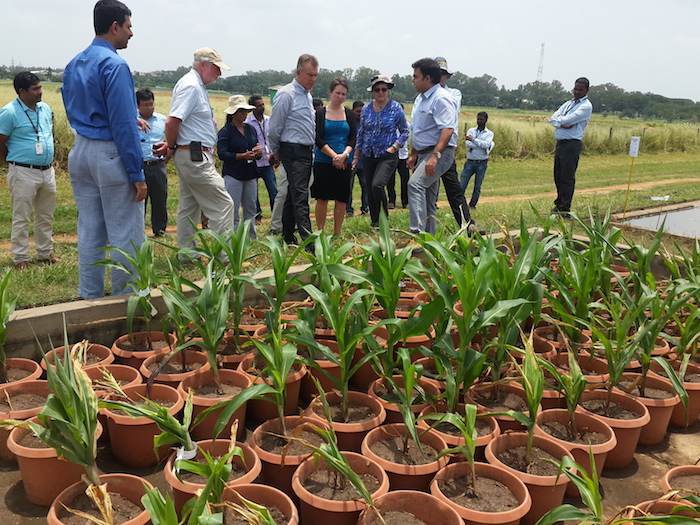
(380, 89)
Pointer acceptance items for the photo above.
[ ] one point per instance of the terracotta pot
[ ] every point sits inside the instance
(205, 429)
(191, 356)
(584, 423)
(365, 374)
(44, 476)
(307, 389)
(286, 315)
(668, 482)
(393, 414)
(430, 372)
(134, 359)
(547, 492)
(457, 440)
(130, 487)
(319, 511)
(587, 362)
(425, 507)
(484, 470)
(546, 334)
(232, 360)
(274, 472)
(627, 431)
(405, 308)
(422, 297)
(104, 354)
(506, 423)
(266, 496)
(257, 313)
(350, 435)
(36, 387)
(661, 508)
(415, 342)
(185, 490)
(678, 416)
(132, 438)
(265, 409)
(408, 477)
(27, 367)
(661, 348)
(660, 410)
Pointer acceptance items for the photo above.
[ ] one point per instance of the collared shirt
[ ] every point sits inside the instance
(230, 143)
(98, 93)
(456, 95)
(26, 128)
(574, 113)
(190, 104)
(153, 135)
(293, 118)
(262, 129)
(433, 111)
(481, 146)
(378, 130)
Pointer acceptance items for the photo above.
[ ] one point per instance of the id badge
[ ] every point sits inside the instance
(39, 147)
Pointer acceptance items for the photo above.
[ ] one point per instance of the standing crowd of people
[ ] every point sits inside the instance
(118, 161)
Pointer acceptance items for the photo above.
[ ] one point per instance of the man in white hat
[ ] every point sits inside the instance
(190, 133)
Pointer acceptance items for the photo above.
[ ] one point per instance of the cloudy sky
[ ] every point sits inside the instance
(639, 45)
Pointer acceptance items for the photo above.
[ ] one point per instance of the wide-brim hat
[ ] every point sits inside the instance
(443, 65)
(237, 102)
(380, 79)
(207, 54)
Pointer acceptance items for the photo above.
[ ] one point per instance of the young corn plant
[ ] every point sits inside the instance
(250, 512)
(571, 385)
(7, 306)
(162, 511)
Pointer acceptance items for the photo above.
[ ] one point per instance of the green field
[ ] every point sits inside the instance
(519, 180)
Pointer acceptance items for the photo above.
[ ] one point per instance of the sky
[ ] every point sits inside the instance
(638, 45)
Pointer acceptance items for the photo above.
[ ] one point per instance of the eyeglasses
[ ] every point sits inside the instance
(380, 89)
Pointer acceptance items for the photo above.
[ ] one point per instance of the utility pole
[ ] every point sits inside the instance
(539, 69)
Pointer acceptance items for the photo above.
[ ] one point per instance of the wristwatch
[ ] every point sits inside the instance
(437, 154)
(172, 147)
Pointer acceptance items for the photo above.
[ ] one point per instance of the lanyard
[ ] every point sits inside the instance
(38, 123)
(572, 103)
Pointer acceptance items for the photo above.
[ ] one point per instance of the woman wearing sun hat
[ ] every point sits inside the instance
(381, 133)
(238, 147)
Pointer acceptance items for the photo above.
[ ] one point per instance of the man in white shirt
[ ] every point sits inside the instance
(261, 124)
(479, 143)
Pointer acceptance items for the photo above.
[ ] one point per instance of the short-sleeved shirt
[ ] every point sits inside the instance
(190, 104)
(152, 136)
(25, 128)
(433, 111)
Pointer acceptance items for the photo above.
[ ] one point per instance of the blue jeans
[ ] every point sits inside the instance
(267, 174)
(471, 168)
(107, 213)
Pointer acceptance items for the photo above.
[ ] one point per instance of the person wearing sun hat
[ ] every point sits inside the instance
(191, 135)
(381, 133)
(238, 147)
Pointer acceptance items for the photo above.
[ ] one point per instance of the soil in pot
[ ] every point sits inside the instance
(232, 518)
(124, 510)
(330, 485)
(686, 483)
(499, 401)
(17, 402)
(276, 444)
(614, 411)
(95, 354)
(140, 344)
(649, 393)
(490, 495)
(21, 369)
(515, 459)
(559, 431)
(397, 517)
(237, 471)
(174, 366)
(392, 449)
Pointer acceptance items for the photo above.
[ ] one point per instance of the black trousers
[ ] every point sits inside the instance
(297, 160)
(378, 171)
(157, 183)
(566, 158)
(455, 195)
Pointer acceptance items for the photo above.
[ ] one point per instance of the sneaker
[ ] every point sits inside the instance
(364, 212)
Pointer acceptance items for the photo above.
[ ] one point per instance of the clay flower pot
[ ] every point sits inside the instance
(23, 369)
(99, 353)
(598, 367)
(34, 387)
(192, 357)
(415, 342)
(350, 435)
(661, 508)
(425, 507)
(660, 410)
(584, 423)
(547, 333)
(678, 416)
(205, 430)
(307, 389)
(405, 477)
(231, 358)
(266, 496)
(506, 423)
(130, 487)
(365, 374)
(319, 511)
(546, 492)
(627, 431)
(484, 470)
(672, 480)
(185, 490)
(135, 358)
(393, 415)
(132, 438)
(44, 476)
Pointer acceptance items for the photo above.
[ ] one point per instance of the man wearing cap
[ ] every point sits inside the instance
(190, 134)
(26, 144)
(450, 179)
(105, 163)
(292, 139)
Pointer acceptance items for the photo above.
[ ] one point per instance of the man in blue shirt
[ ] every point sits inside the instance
(26, 144)
(154, 166)
(570, 122)
(105, 163)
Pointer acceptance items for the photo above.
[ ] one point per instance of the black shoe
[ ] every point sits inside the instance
(310, 248)
(290, 239)
(564, 214)
(159, 233)
(391, 206)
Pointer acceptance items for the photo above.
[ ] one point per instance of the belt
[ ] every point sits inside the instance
(153, 162)
(204, 148)
(569, 140)
(430, 148)
(30, 166)
(298, 145)
(474, 160)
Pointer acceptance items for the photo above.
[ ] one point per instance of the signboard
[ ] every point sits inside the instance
(634, 146)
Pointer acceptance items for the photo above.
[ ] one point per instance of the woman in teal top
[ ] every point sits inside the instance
(336, 131)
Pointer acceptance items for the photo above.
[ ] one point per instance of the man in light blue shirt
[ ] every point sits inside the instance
(292, 139)
(26, 144)
(105, 163)
(479, 142)
(154, 166)
(433, 123)
(569, 121)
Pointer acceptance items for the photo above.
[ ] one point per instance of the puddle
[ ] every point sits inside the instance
(680, 222)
